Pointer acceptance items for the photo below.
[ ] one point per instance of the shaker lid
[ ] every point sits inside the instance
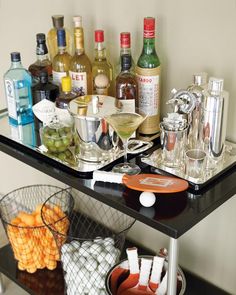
(200, 78)
(93, 106)
(216, 85)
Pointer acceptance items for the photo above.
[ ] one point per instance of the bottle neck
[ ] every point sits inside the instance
(61, 49)
(125, 50)
(42, 57)
(16, 64)
(79, 40)
(100, 51)
(149, 46)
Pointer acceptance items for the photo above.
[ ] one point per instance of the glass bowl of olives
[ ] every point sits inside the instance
(56, 137)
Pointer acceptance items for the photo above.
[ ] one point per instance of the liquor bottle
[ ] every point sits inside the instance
(125, 48)
(101, 65)
(63, 100)
(18, 82)
(148, 77)
(42, 63)
(44, 97)
(58, 23)
(61, 62)
(80, 66)
(126, 85)
(66, 94)
(44, 89)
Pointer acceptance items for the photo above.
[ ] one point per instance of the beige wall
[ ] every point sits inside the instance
(192, 36)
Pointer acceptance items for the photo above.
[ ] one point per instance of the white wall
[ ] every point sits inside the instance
(192, 36)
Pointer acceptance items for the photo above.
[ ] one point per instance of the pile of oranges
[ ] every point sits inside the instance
(33, 244)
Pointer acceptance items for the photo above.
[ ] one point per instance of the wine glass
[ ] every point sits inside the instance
(125, 124)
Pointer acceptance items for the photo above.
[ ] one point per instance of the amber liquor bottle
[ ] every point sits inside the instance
(126, 85)
(42, 64)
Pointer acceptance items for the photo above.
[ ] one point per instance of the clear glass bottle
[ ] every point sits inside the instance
(125, 48)
(44, 89)
(42, 63)
(61, 62)
(126, 85)
(101, 65)
(80, 66)
(58, 23)
(148, 77)
(18, 82)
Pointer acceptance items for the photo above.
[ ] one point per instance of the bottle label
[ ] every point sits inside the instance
(149, 98)
(128, 105)
(44, 110)
(148, 93)
(79, 82)
(11, 99)
(56, 77)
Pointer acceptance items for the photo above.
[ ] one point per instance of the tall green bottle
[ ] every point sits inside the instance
(148, 77)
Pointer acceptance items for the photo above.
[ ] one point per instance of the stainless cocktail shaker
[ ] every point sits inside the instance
(214, 119)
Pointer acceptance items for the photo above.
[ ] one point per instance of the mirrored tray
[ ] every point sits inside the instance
(228, 161)
(28, 136)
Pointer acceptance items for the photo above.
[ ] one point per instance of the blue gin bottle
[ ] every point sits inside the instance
(18, 82)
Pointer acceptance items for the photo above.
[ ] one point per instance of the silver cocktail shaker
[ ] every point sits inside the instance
(214, 119)
(198, 88)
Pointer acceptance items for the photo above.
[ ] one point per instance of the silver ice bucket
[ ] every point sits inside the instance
(97, 140)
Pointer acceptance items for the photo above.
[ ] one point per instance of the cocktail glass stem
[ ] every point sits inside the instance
(125, 146)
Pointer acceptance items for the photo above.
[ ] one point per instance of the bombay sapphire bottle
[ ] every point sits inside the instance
(18, 82)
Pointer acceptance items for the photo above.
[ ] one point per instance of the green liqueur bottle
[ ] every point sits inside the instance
(148, 77)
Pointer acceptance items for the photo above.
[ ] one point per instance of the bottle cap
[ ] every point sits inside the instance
(125, 40)
(216, 85)
(43, 77)
(200, 78)
(61, 38)
(77, 19)
(66, 84)
(58, 21)
(41, 38)
(15, 56)
(99, 36)
(149, 27)
(125, 61)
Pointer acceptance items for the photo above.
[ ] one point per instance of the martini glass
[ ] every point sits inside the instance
(125, 124)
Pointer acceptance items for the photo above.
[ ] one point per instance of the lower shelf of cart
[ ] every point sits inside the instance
(51, 282)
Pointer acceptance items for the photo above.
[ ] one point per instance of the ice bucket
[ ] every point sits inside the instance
(97, 140)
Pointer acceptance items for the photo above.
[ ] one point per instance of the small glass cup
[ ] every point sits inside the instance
(195, 163)
(173, 145)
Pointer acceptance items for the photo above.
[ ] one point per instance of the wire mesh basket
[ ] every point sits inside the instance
(94, 242)
(33, 244)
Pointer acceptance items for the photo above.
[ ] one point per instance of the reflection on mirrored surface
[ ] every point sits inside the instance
(29, 136)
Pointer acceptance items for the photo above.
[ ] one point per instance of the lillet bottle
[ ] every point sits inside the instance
(80, 66)
(148, 77)
(18, 82)
(42, 63)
